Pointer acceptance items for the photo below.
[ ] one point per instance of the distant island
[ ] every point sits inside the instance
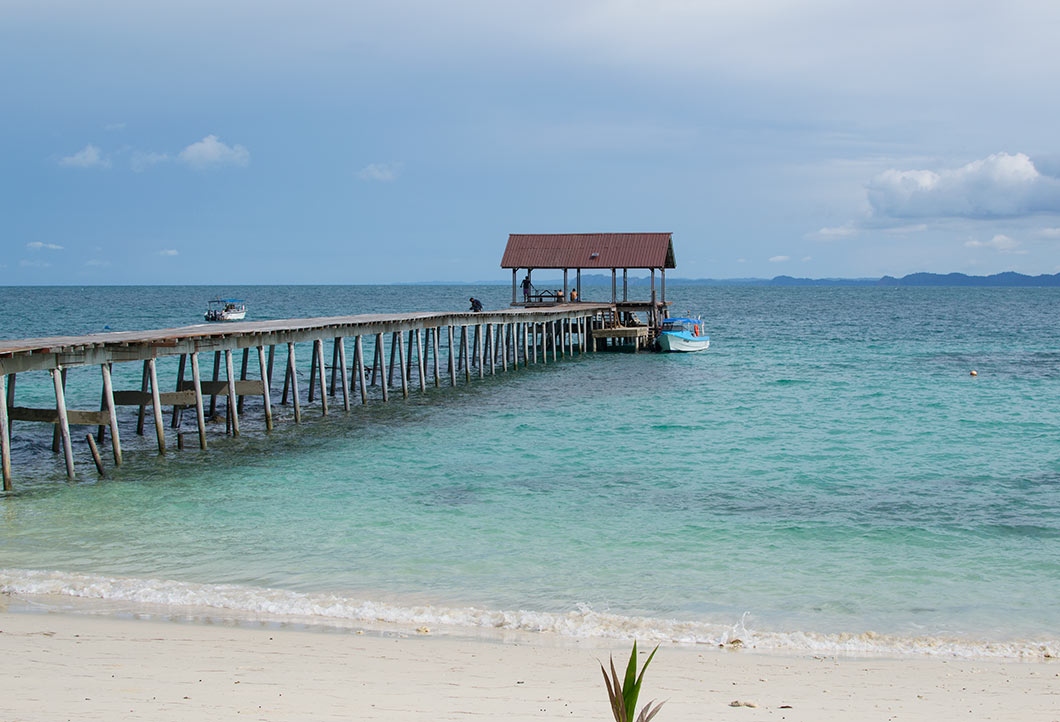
(1007, 279)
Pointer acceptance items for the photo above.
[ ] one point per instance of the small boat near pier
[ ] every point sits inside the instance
(683, 335)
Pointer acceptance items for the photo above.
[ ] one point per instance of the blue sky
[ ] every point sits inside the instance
(344, 142)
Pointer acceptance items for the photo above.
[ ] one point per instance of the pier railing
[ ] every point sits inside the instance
(474, 345)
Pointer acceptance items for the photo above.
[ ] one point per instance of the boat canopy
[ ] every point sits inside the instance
(227, 300)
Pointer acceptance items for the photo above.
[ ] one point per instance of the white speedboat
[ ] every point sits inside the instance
(683, 334)
(226, 309)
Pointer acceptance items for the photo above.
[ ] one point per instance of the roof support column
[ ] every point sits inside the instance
(566, 295)
(653, 287)
(514, 272)
(625, 284)
(579, 284)
(662, 272)
(614, 290)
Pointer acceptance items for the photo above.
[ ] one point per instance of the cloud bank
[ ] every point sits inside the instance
(88, 157)
(210, 152)
(40, 245)
(382, 172)
(999, 186)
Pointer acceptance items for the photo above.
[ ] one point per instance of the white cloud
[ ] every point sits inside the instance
(88, 157)
(741, 260)
(831, 233)
(168, 252)
(34, 264)
(779, 259)
(1000, 243)
(1001, 185)
(114, 126)
(142, 160)
(383, 172)
(807, 258)
(96, 262)
(210, 152)
(39, 245)
(1048, 232)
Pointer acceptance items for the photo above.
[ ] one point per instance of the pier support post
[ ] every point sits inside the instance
(156, 406)
(340, 344)
(334, 363)
(479, 344)
(420, 365)
(292, 372)
(380, 357)
(503, 331)
(272, 352)
(358, 361)
(434, 348)
(286, 378)
(402, 368)
(526, 348)
(200, 416)
(216, 376)
(233, 412)
(465, 353)
(5, 435)
(112, 412)
(64, 424)
(243, 377)
(10, 397)
(377, 359)
(452, 359)
(265, 397)
(56, 436)
(491, 342)
(318, 348)
(96, 458)
(177, 409)
(408, 361)
(313, 373)
(395, 341)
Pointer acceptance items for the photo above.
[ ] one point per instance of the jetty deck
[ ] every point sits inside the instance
(473, 344)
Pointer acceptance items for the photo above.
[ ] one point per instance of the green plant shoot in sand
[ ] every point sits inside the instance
(624, 694)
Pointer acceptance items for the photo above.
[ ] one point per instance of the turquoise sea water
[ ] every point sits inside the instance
(827, 476)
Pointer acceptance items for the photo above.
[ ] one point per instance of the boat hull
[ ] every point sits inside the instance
(680, 343)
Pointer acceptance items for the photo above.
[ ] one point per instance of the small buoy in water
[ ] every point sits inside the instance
(974, 373)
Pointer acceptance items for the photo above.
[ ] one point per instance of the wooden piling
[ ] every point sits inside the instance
(272, 352)
(156, 406)
(380, 357)
(243, 377)
(420, 365)
(408, 361)
(318, 347)
(491, 338)
(334, 363)
(395, 341)
(479, 347)
(56, 438)
(452, 360)
(196, 383)
(216, 376)
(112, 412)
(233, 413)
(286, 377)
(341, 345)
(402, 368)
(10, 397)
(358, 361)
(5, 435)
(265, 396)
(96, 459)
(64, 424)
(292, 372)
(177, 408)
(434, 347)
(504, 347)
(465, 353)
(313, 372)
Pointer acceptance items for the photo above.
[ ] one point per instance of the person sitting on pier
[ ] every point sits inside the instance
(573, 295)
(476, 305)
(559, 296)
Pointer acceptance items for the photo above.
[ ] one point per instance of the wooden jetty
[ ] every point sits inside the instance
(474, 345)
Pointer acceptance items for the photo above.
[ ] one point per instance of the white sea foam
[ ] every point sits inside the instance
(324, 608)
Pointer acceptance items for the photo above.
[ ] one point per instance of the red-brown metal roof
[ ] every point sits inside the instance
(589, 250)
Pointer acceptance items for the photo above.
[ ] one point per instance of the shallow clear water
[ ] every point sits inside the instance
(828, 467)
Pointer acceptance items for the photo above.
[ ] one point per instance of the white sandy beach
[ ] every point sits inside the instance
(85, 667)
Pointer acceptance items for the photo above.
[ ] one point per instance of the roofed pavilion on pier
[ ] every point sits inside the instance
(596, 252)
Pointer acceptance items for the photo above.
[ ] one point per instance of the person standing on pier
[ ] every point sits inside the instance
(527, 286)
